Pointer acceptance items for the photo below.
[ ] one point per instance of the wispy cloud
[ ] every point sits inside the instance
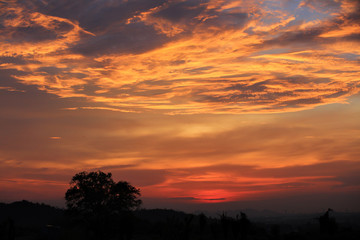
(186, 56)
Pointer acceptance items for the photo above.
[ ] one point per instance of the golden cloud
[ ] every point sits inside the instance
(215, 57)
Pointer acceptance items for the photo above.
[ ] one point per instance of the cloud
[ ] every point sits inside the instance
(143, 88)
(236, 182)
(94, 16)
(207, 158)
(320, 4)
(131, 38)
(178, 11)
(16, 59)
(184, 57)
(87, 133)
(22, 26)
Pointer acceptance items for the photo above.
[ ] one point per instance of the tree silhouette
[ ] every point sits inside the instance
(96, 192)
(103, 204)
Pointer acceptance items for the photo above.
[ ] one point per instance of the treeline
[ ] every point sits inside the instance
(99, 208)
(26, 220)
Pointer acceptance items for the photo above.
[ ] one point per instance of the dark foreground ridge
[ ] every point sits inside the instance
(30, 221)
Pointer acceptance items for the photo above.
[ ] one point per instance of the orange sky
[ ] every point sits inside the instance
(197, 102)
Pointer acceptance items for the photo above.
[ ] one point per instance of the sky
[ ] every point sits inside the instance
(202, 104)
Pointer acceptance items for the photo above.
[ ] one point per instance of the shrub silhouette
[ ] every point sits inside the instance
(244, 225)
(327, 224)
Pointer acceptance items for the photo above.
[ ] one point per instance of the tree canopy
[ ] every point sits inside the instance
(96, 192)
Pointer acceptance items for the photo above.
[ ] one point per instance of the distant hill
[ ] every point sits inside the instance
(41, 221)
(160, 215)
(25, 213)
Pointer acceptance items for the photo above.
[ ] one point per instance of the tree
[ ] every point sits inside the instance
(94, 193)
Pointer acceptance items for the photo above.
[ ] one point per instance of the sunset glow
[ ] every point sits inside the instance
(192, 101)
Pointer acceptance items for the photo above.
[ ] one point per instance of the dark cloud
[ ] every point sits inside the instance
(228, 20)
(139, 177)
(229, 98)
(301, 37)
(337, 94)
(16, 59)
(354, 16)
(51, 70)
(194, 14)
(175, 11)
(184, 198)
(271, 97)
(182, 11)
(197, 199)
(301, 102)
(249, 74)
(89, 89)
(322, 4)
(268, 95)
(177, 62)
(256, 87)
(274, 93)
(297, 79)
(95, 16)
(106, 19)
(114, 35)
(7, 80)
(214, 199)
(353, 37)
(199, 70)
(131, 38)
(349, 179)
(27, 28)
(332, 169)
(254, 94)
(28, 34)
(311, 36)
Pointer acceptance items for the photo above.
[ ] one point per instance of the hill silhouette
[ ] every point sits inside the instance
(30, 214)
(27, 220)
